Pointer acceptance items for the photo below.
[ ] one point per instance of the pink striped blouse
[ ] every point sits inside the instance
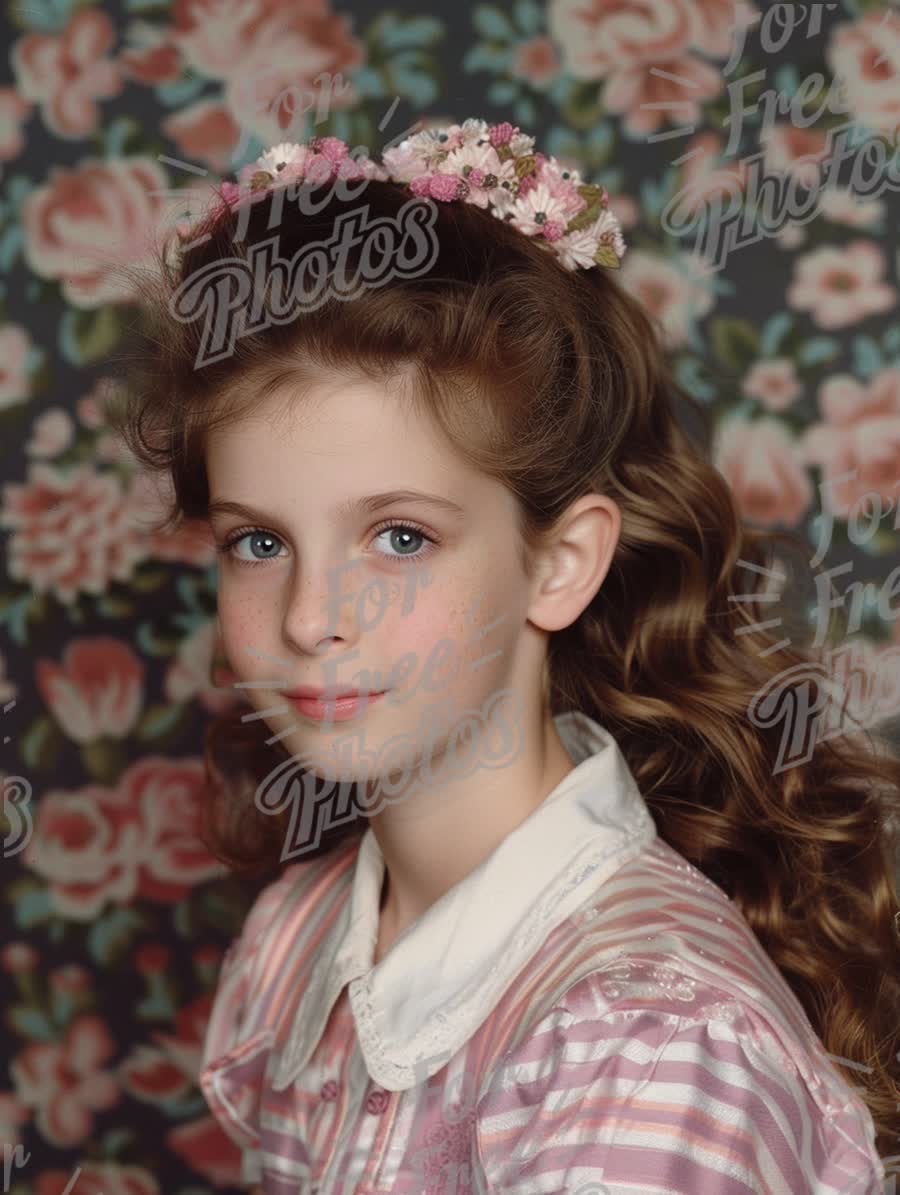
(585, 1013)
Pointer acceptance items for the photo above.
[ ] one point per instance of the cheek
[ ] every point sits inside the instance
(240, 628)
(410, 634)
(445, 614)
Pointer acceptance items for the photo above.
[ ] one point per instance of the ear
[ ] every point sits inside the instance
(574, 560)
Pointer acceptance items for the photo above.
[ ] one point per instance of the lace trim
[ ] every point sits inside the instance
(437, 1037)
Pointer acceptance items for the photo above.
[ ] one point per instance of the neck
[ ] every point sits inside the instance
(433, 840)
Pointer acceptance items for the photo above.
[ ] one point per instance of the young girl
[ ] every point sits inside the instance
(542, 912)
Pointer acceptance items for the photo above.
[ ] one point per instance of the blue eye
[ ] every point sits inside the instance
(404, 531)
(227, 549)
(401, 545)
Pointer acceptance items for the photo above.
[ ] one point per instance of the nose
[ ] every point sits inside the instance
(321, 608)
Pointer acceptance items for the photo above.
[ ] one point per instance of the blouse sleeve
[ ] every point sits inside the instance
(644, 1100)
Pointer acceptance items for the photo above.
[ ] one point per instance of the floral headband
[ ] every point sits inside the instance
(493, 166)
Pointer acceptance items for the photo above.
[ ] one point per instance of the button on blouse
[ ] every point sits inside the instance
(377, 1101)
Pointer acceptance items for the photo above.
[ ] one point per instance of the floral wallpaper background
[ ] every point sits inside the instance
(115, 918)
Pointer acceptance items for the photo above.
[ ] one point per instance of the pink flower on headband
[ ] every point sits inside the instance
(492, 166)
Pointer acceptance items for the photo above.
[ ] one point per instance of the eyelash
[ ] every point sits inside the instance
(233, 540)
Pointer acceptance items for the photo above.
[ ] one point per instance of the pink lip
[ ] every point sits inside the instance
(317, 694)
(338, 710)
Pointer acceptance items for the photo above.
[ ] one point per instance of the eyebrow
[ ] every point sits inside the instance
(365, 505)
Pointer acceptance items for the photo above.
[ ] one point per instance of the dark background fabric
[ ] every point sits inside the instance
(114, 917)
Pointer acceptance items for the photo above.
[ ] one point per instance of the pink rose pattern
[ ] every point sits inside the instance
(67, 73)
(118, 666)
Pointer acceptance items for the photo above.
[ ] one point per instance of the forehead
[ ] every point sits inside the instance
(334, 438)
(337, 413)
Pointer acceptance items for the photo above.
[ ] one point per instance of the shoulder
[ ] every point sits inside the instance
(656, 930)
(626, 1088)
(638, 1074)
(660, 930)
(659, 1048)
(661, 938)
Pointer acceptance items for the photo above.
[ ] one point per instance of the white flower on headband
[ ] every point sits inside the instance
(493, 166)
(288, 153)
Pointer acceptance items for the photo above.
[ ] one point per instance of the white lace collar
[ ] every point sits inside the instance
(446, 972)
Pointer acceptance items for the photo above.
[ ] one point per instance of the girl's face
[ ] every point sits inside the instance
(422, 597)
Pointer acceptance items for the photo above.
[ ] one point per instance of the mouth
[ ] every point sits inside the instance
(335, 705)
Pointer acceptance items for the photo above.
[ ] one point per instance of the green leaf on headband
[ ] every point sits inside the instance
(607, 256)
(595, 207)
(590, 192)
(525, 165)
(584, 219)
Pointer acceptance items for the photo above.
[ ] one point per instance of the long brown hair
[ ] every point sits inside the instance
(556, 383)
